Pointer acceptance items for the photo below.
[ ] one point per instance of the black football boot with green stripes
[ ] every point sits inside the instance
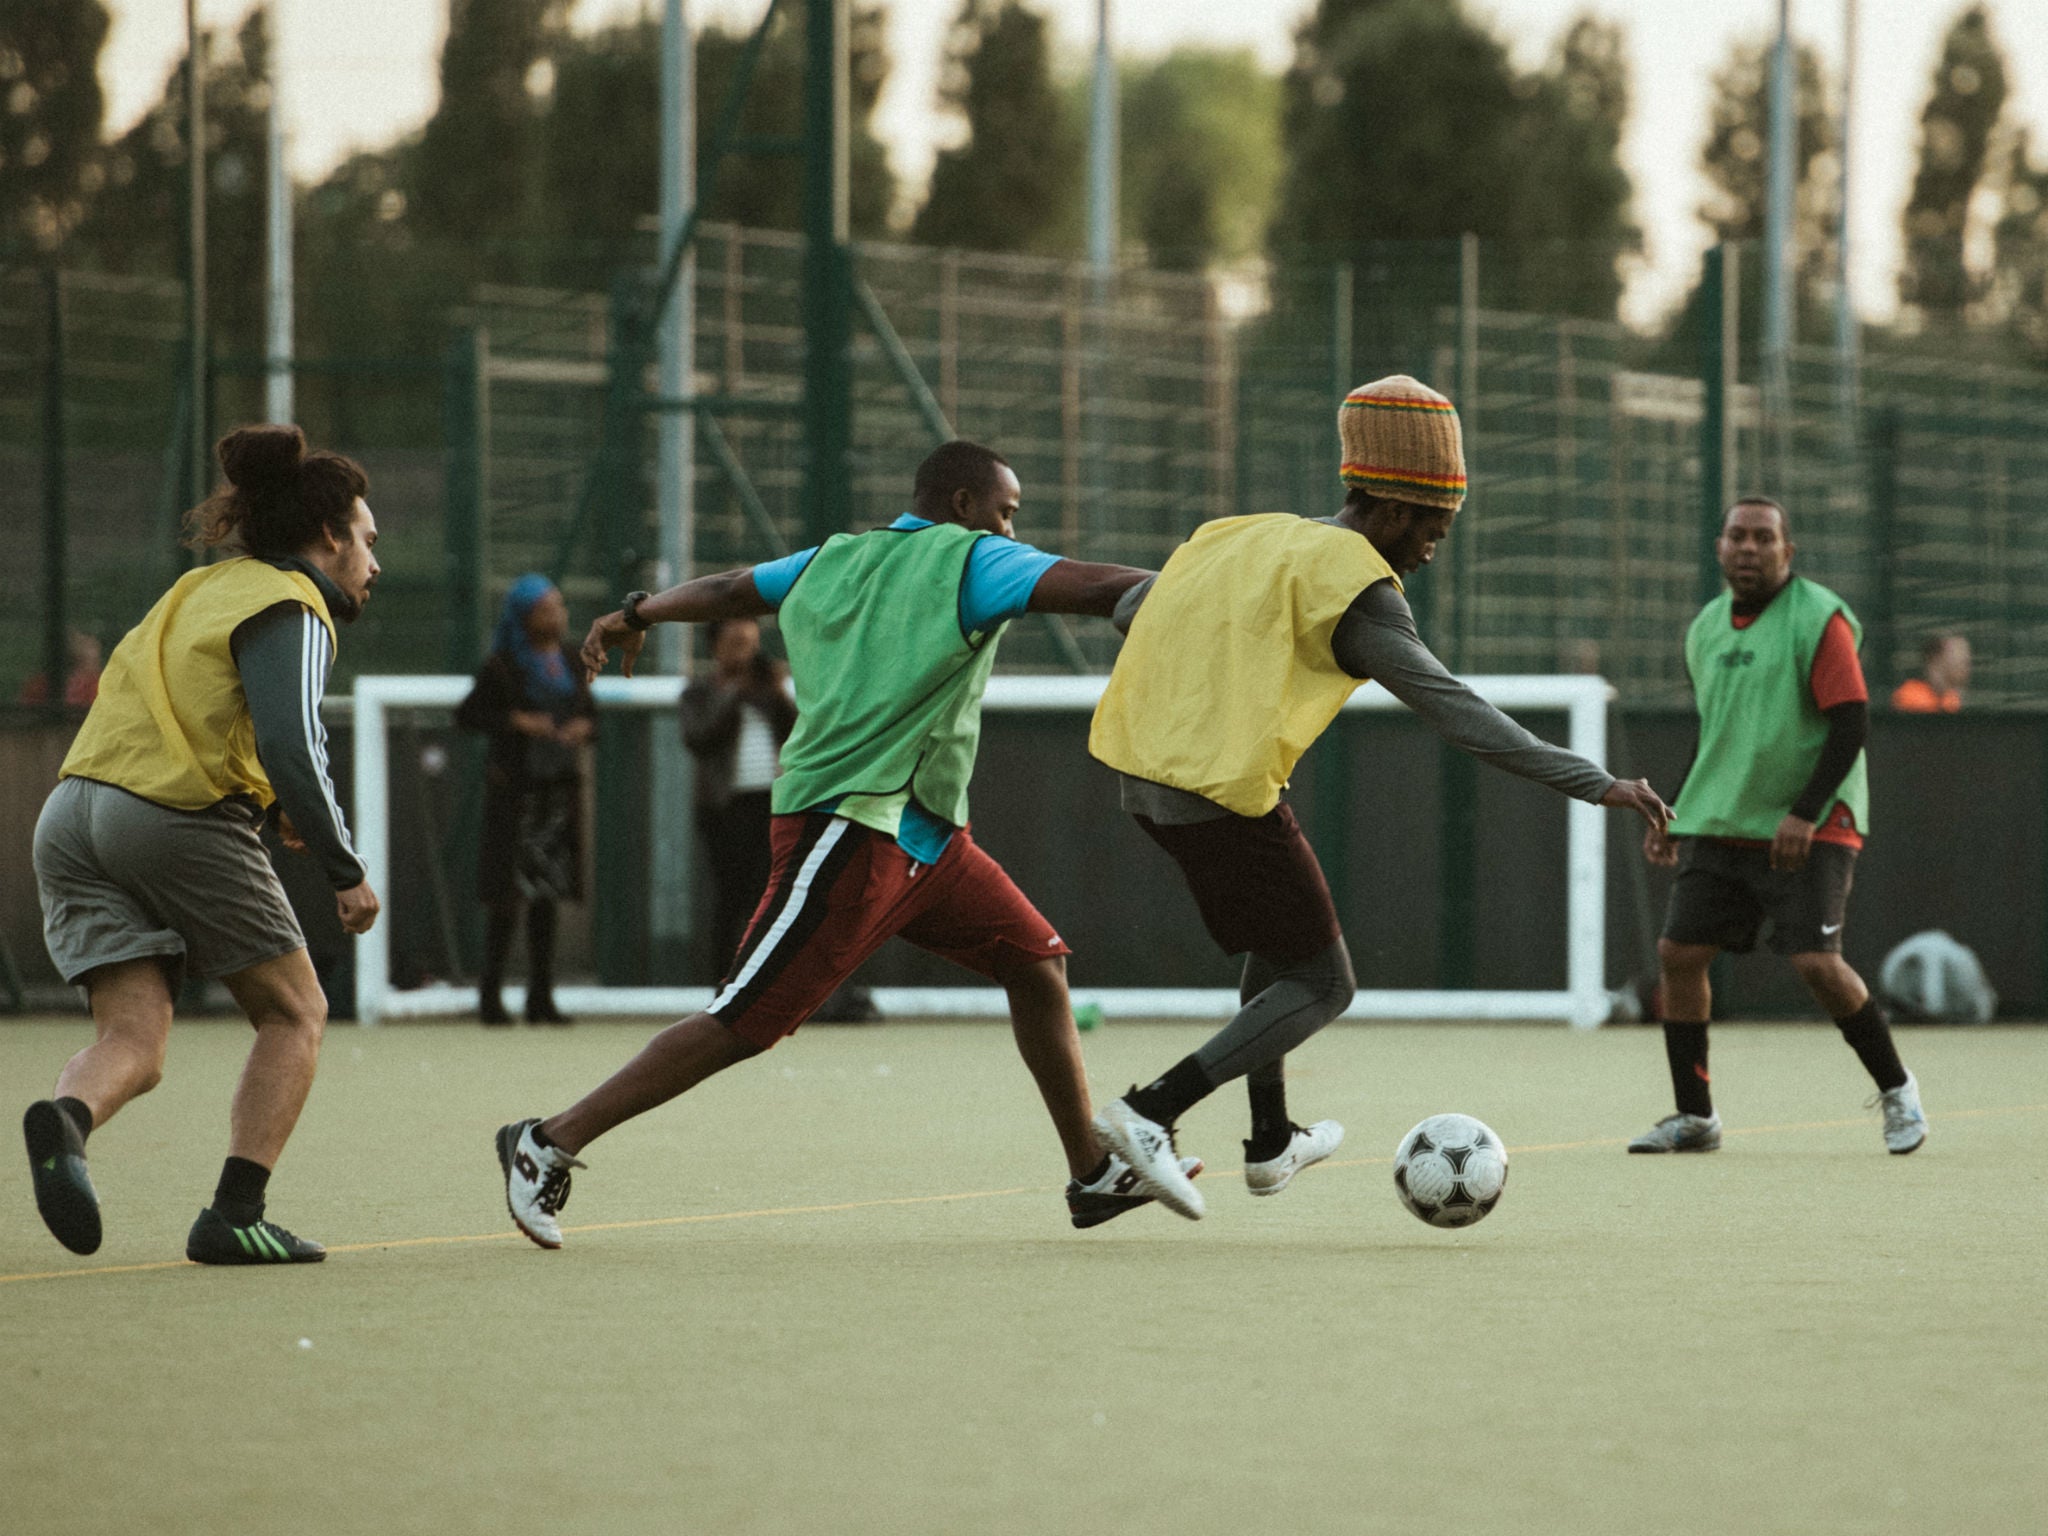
(64, 1192)
(214, 1241)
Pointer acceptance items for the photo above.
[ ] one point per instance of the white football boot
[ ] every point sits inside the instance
(1306, 1147)
(1149, 1150)
(1905, 1122)
(536, 1182)
(1113, 1194)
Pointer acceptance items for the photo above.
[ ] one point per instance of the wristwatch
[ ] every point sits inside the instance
(630, 608)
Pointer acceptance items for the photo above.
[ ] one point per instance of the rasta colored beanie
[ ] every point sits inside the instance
(1401, 441)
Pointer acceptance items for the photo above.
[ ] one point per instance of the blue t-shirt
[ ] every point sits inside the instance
(1001, 575)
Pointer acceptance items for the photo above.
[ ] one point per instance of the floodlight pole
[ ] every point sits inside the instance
(1781, 174)
(277, 365)
(675, 475)
(1847, 342)
(827, 276)
(196, 475)
(1102, 151)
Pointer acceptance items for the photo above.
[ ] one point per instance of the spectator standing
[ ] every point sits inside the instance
(1945, 669)
(81, 680)
(533, 704)
(734, 724)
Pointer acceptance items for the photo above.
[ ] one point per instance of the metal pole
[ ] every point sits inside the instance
(196, 474)
(1781, 174)
(1720, 317)
(1102, 150)
(675, 483)
(277, 384)
(1847, 363)
(56, 531)
(675, 456)
(827, 297)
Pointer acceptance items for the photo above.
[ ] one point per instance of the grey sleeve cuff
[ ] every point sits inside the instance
(1377, 639)
(1127, 606)
(284, 655)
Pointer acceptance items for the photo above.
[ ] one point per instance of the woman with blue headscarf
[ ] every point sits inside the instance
(530, 699)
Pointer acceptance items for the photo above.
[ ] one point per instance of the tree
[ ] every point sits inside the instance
(472, 173)
(2019, 281)
(50, 111)
(1406, 120)
(1200, 155)
(1955, 138)
(1736, 159)
(601, 139)
(1015, 184)
(137, 221)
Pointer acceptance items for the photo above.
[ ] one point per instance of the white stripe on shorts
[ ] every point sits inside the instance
(798, 890)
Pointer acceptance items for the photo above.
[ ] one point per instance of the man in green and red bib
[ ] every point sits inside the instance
(892, 636)
(1773, 811)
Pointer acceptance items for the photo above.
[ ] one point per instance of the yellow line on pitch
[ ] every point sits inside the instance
(978, 1194)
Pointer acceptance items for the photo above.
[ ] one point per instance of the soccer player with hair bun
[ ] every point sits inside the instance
(1241, 652)
(148, 854)
(1769, 819)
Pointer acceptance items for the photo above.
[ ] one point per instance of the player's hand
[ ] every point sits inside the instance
(611, 632)
(1791, 845)
(358, 907)
(573, 733)
(1636, 795)
(1660, 847)
(289, 834)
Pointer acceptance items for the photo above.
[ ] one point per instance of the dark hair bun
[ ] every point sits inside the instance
(261, 460)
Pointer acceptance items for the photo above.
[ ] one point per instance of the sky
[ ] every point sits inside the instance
(358, 73)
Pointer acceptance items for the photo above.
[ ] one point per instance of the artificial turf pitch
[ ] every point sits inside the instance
(834, 1290)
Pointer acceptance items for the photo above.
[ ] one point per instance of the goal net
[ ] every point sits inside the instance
(389, 710)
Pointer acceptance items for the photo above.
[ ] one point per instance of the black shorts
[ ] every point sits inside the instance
(1256, 883)
(1725, 891)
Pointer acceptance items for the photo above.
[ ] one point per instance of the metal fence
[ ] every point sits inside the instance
(1134, 408)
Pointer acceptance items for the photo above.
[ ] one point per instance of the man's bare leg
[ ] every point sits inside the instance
(672, 1063)
(283, 1000)
(1042, 1020)
(131, 1016)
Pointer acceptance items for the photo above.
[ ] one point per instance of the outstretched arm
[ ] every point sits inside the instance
(728, 595)
(1377, 639)
(1077, 586)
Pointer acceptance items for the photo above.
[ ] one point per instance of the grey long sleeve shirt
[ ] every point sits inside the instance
(1377, 639)
(284, 655)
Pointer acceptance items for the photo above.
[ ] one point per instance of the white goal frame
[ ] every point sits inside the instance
(1583, 1001)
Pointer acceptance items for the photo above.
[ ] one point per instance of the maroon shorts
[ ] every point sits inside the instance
(839, 891)
(1256, 883)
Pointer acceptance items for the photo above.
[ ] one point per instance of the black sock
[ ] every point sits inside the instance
(1685, 1048)
(1165, 1101)
(1271, 1129)
(1870, 1037)
(79, 1114)
(540, 1137)
(238, 1198)
(1097, 1171)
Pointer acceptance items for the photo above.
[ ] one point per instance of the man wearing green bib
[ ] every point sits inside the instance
(892, 635)
(1767, 825)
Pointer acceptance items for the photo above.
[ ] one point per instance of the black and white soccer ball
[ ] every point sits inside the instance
(1450, 1170)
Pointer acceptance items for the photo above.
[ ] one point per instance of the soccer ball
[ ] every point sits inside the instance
(1450, 1170)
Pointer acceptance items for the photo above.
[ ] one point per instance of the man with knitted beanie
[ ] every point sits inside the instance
(1769, 819)
(1240, 653)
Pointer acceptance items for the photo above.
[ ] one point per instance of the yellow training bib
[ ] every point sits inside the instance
(171, 722)
(1227, 677)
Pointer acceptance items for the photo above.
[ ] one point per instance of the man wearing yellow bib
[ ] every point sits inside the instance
(148, 857)
(1240, 653)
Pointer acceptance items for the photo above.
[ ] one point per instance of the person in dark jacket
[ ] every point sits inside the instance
(734, 724)
(531, 700)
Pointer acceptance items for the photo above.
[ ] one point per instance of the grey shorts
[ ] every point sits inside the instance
(123, 878)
